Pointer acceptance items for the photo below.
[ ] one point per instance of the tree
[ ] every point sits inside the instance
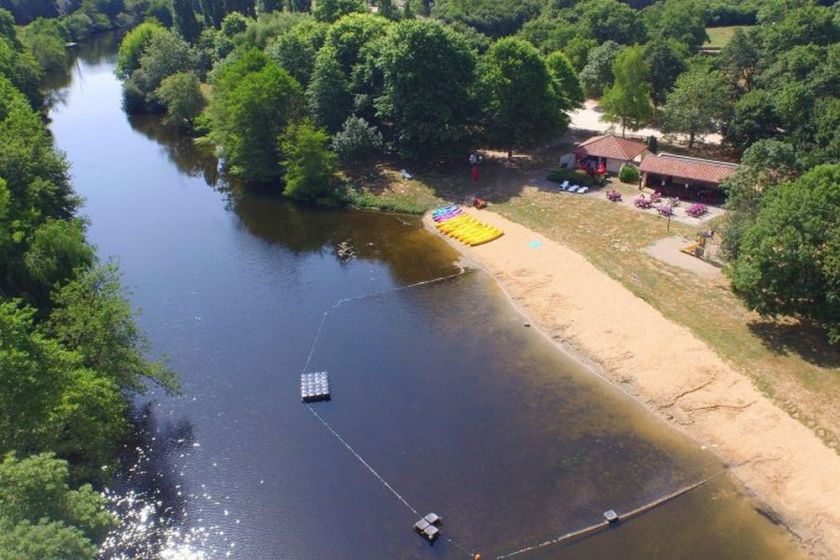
(331, 10)
(666, 60)
(45, 40)
(490, 17)
(134, 45)
(520, 97)
(181, 95)
(184, 20)
(681, 20)
(349, 35)
(698, 104)
(296, 49)
(740, 59)
(567, 80)
(611, 20)
(428, 72)
(597, 75)
(309, 164)
(329, 94)
(42, 517)
(628, 100)
(753, 118)
(253, 101)
(357, 141)
(549, 32)
(789, 259)
(764, 165)
(165, 55)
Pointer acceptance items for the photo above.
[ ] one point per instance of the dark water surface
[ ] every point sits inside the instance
(439, 387)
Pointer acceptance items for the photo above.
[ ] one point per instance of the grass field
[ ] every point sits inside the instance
(790, 362)
(720, 36)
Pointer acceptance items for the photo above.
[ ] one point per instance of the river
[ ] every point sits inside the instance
(437, 388)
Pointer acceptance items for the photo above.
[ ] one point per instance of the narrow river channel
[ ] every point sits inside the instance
(439, 388)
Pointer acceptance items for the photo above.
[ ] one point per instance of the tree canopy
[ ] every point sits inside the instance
(628, 100)
(789, 259)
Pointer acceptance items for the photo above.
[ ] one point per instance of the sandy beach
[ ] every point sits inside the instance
(789, 473)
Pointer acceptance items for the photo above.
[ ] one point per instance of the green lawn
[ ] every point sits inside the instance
(720, 36)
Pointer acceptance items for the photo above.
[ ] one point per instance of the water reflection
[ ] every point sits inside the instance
(153, 501)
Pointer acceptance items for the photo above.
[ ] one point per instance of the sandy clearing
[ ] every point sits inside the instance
(780, 463)
(589, 116)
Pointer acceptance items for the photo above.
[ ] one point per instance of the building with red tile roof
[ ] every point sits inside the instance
(607, 153)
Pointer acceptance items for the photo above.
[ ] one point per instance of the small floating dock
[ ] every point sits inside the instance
(428, 526)
(315, 386)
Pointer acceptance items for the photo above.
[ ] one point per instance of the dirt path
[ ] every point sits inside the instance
(782, 464)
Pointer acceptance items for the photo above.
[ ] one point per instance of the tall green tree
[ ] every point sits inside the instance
(628, 101)
(666, 60)
(296, 49)
(329, 96)
(521, 100)
(308, 162)
(134, 45)
(681, 20)
(597, 75)
(740, 59)
(253, 101)
(181, 96)
(185, 21)
(789, 259)
(698, 104)
(753, 117)
(764, 165)
(428, 72)
(567, 80)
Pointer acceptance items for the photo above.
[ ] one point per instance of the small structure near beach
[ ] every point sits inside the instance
(428, 526)
(315, 386)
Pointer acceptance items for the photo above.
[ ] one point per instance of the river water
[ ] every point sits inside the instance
(438, 388)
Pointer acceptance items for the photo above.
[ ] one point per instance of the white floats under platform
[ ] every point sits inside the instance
(428, 526)
(315, 386)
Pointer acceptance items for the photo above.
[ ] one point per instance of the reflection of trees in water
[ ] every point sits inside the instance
(145, 494)
(99, 49)
(397, 241)
(181, 150)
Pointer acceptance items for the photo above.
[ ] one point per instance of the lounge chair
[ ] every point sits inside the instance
(583, 190)
(564, 185)
(574, 188)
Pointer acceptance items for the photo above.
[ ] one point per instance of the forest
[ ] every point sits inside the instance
(289, 92)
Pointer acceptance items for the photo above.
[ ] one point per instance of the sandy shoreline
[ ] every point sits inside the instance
(782, 465)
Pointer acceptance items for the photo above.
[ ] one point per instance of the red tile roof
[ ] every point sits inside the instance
(694, 169)
(613, 147)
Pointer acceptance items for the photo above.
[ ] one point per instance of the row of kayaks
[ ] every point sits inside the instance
(454, 222)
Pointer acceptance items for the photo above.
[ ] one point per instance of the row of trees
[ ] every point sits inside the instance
(69, 350)
(419, 87)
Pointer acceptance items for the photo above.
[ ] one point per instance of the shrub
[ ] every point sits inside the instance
(309, 164)
(696, 210)
(642, 202)
(628, 174)
(575, 176)
(357, 141)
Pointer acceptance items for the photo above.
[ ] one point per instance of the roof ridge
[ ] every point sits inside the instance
(699, 160)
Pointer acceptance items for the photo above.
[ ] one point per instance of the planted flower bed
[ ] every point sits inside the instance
(642, 202)
(666, 210)
(696, 210)
(614, 195)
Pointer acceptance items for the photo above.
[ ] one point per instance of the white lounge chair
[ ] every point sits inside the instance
(574, 188)
(583, 190)
(564, 185)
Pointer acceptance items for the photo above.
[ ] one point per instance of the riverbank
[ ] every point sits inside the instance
(787, 469)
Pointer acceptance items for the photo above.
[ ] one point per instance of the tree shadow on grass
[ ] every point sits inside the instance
(791, 337)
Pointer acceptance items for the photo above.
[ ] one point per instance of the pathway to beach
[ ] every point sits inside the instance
(782, 464)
